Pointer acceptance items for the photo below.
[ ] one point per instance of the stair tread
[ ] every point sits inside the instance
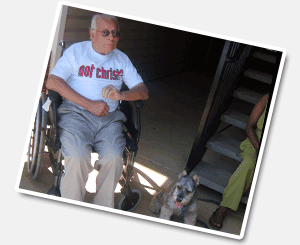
(214, 178)
(225, 146)
(264, 56)
(247, 95)
(258, 75)
(235, 118)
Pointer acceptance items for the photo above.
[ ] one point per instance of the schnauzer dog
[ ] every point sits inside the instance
(178, 199)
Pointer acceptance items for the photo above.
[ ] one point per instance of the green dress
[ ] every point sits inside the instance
(241, 179)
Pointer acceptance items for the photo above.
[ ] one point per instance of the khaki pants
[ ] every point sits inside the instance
(80, 132)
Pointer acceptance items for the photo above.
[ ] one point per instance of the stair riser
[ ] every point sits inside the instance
(259, 76)
(266, 57)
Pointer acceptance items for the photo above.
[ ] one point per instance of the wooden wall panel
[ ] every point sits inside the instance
(156, 51)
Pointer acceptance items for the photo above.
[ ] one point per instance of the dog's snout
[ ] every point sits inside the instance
(178, 199)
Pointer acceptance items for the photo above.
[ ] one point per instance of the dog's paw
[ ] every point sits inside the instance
(155, 210)
(190, 219)
(154, 207)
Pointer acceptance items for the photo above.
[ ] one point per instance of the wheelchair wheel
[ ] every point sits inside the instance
(37, 140)
(129, 203)
(130, 197)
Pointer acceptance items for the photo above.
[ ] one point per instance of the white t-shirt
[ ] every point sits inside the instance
(88, 72)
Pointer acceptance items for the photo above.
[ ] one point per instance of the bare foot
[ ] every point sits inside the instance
(216, 220)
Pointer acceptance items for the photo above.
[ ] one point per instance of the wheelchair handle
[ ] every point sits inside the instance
(52, 96)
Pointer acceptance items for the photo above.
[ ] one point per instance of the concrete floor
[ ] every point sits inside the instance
(170, 120)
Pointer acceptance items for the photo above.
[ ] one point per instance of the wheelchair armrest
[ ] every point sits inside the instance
(53, 96)
(139, 103)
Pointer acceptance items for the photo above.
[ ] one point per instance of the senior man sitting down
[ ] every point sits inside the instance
(89, 76)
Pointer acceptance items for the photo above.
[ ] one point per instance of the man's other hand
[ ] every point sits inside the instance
(99, 108)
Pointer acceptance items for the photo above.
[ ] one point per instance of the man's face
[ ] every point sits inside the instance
(101, 44)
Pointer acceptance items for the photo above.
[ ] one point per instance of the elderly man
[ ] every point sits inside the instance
(89, 76)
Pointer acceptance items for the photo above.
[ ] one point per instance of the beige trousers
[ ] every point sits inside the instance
(80, 133)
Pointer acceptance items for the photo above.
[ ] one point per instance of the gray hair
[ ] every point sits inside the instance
(104, 17)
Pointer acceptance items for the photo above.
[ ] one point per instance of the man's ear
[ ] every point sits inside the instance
(92, 33)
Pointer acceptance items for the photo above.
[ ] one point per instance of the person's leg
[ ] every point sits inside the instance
(239, 182)
(76, 138)
(237, 185)
(110, 144)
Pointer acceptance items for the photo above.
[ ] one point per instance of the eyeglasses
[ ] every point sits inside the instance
(105, 33)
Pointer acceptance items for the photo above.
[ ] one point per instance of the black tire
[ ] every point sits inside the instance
(37, 140)
(130, 203)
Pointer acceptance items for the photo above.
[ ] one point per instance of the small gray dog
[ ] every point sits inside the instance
(177, 198)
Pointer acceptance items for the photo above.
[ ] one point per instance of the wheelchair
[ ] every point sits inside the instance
(45, 140)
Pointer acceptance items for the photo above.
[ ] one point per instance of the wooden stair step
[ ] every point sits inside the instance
(214, 177)
(258, 75)
(225, 146)
(235, 118)
(264, 56)
(247, 95)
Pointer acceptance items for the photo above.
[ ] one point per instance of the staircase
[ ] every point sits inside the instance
(256, 79)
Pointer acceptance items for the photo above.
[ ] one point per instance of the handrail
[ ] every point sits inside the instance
(237, 55)
(226, 77)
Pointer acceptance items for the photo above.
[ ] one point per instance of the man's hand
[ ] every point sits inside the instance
(98, 107)
(112, 93)
(138, 92)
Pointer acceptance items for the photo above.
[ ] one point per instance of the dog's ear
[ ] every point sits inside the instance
(196, 180)
(184, 173)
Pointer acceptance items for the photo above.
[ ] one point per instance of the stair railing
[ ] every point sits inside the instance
(230, 67)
